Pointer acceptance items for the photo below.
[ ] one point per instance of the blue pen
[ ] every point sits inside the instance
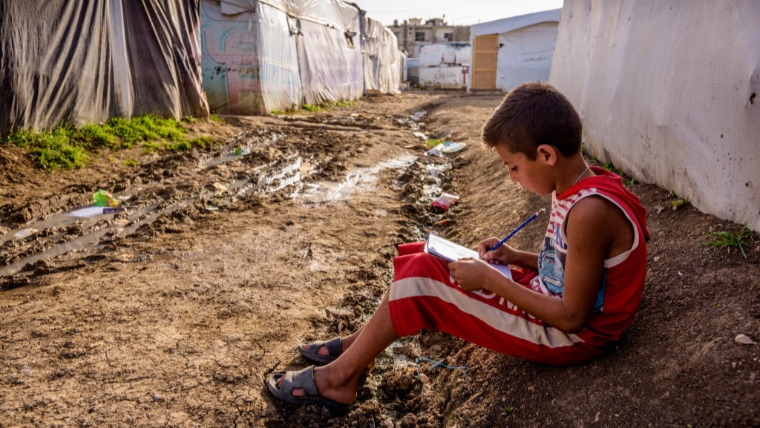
(533, 217)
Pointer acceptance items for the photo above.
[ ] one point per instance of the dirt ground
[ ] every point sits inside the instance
(173, 311)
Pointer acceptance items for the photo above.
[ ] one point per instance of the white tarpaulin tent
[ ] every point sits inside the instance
(523, 50)
(382, 58)
(266, 55)
(88, 61)
(667, 91)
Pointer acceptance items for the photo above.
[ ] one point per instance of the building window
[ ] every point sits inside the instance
(419, 36)
(448, 36)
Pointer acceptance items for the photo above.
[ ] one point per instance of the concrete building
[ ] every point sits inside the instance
(412, 33)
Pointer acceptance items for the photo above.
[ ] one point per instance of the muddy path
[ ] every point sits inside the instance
(172, 311)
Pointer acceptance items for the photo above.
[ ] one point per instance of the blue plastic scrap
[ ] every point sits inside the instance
(437, 363)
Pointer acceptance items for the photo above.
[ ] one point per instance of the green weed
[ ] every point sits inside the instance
(507, 411)
(216, 118)
(731, 240)
(66, 147)
(609, 166)
(679, 203)
(631, 181)
(311, 108)
(344, 103)
(130, 162)
(54, 149)
(189, 119)
(184, 145)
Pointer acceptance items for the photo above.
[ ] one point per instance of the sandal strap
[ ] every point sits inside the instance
(333, 346)
(303, 379)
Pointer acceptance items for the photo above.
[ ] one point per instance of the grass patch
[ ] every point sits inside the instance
(732, 240)
(130, 162)
(216, 118)
(344, 103)
(66, 147)
(609, 166)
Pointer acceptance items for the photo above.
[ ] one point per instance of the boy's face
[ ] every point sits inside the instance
(533, 175)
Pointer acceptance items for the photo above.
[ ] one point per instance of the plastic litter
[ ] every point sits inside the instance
(23, 233)
(438, 364)
(104, 199)
(241, 151)
(444, 202)
(420, 135)
(418, 115)
(432, 142)
(446, 148)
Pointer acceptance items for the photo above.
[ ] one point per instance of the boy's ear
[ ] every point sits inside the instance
(547, 154)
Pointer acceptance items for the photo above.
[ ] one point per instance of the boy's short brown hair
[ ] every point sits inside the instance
(533, 114)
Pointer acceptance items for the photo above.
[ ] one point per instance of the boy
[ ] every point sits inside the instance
(565, 303)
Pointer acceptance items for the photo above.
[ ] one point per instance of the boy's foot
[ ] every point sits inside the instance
(322, 351)
(300, 387)
(325, 351)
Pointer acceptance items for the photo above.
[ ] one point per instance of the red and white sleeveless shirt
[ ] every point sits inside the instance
(623, 278)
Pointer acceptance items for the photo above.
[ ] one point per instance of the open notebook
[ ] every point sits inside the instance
(447, 250)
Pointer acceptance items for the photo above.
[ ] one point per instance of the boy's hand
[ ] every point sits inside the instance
(503, 255)
(469, 273)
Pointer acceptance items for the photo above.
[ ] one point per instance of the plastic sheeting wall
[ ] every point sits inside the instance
(250, 63)
(667, 90)
(526, 55)
(383, 62)
(330, 62)
(275, 54)
(89, 60)
(329, 51)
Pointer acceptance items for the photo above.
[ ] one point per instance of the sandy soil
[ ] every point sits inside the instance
(172, 312)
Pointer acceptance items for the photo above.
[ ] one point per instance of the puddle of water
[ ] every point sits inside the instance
(358, 180)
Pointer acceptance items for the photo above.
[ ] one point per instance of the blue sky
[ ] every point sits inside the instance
(461, 12)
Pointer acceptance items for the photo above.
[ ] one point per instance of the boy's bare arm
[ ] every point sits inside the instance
(594, 227)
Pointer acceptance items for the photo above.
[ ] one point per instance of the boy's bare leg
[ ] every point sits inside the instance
(339, 380)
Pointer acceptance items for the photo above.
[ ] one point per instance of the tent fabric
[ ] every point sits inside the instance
(266, 55)
(513, 23)
(250, 62)
(382, 59)
(330, 60)
(526, 47)
(667, 91)
(526, 55)
(89, 60)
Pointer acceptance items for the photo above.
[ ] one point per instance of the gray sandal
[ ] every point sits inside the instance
(303, 379)
(311, 352)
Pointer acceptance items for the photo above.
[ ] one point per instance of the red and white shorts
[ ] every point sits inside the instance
(423, 295)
